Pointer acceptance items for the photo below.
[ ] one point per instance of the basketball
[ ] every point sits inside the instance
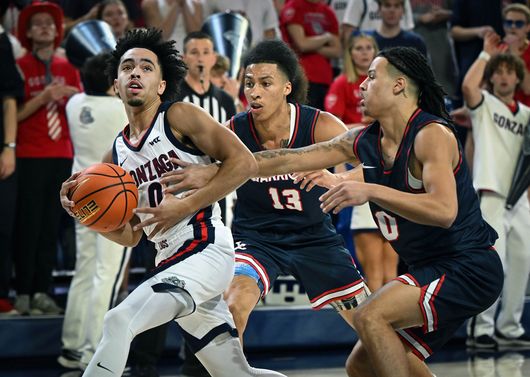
(104, 197)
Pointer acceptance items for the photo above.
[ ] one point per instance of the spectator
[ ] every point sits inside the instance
(516, 22)
(471, 20)
(115, 14)
(77, 11)
(389, 34)
(364, 15)
(94, 118)
(176, 18)
(11, 88)
(431, 18)
(44, 154)
(219, 77)
(311, 28)
(496, 151)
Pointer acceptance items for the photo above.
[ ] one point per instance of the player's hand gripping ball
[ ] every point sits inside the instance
(104, 197)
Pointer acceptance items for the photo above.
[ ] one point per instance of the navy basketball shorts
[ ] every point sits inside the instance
(453, 290)
(317, 259)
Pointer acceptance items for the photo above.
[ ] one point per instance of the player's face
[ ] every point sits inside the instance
(266, 89)
(391, 12)
(377, 90)
(362, 53)
(199, 53)
(504, 81)
(139, 79)
(42, 30)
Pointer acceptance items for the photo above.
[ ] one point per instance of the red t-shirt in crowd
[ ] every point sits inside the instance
(316, 19)
(343, 99)
(33, 140)
(519, 94)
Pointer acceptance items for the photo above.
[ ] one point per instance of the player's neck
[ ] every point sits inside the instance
(508, 99)
(275, 126)
(199, 85)
(141, 117)
(394, 123)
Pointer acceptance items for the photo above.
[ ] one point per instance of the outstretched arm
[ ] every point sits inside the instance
(436, 151)
(317, 156)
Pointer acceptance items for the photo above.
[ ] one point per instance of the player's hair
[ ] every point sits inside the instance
(196, 35)
(274, 51)
(172, 67)
(510, 61)
(410, 62)
(93, 75)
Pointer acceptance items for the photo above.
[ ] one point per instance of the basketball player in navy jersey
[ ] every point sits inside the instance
(421, 196)
(278, 228)
(195, 256)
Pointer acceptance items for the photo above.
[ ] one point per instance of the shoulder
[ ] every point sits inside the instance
(328, 126)
(433, 135)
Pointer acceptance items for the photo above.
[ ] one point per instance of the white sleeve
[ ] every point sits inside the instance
(353, 13)
(270, 18)
(479, 112)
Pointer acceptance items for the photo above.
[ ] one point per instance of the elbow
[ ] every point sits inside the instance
(447, 218)
(252, 169)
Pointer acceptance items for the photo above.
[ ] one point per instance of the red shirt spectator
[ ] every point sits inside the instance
(343, 100)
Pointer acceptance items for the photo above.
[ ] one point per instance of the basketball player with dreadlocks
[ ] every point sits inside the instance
(422, 198)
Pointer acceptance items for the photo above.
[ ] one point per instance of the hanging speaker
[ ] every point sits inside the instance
(88, 39)
(231, 36)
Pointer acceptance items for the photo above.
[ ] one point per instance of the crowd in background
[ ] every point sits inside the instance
(335, 41)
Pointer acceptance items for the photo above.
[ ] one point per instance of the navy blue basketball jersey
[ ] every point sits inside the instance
(417, 243)
(276, 203)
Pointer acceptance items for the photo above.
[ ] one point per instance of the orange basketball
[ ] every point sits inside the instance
(104, 197)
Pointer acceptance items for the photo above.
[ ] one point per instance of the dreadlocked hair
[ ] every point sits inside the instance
(172, 67)
(410, 62)
(274, 51)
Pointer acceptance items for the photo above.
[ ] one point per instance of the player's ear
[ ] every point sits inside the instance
(161, 87)
(115, 86)
(288, 88)
(400, 85)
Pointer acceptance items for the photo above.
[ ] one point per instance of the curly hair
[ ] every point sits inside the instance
(511, 62)
(410, 62)
(172, 67)
(274, 51)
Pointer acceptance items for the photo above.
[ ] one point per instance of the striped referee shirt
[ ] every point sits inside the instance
(215, 101)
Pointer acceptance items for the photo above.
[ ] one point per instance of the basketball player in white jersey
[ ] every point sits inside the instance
(498, 121)
(195, 259)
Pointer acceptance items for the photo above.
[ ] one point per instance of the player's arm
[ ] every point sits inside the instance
(125, 236)
(436, 150)
(321, 155)
(236, 165)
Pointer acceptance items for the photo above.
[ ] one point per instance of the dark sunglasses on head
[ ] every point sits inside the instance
(517, 24)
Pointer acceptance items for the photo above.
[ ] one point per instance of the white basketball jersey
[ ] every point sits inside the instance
(498, 137)
(146, 162)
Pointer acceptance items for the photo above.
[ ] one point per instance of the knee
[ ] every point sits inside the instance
(115, 321)
(364, 318)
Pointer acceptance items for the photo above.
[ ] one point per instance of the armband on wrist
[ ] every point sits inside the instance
(484, 56)
(10, 145)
